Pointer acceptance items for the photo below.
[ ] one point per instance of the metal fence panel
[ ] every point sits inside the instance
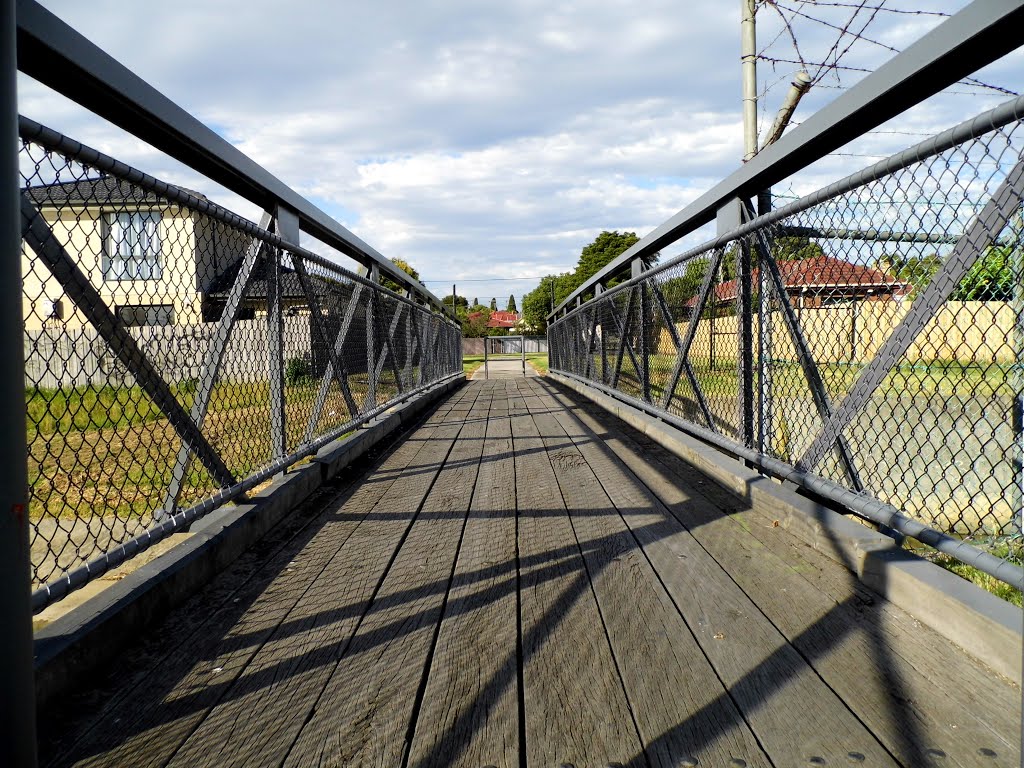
(886, 344)
(177, 355)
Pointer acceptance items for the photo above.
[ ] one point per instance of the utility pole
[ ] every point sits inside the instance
(748, 57)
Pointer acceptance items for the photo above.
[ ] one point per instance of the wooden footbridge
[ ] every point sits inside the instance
(701, 539)
(523, 580)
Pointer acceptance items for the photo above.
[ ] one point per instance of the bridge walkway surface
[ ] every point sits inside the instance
(524, 581)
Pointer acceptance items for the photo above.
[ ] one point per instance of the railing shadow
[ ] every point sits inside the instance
(713, 720)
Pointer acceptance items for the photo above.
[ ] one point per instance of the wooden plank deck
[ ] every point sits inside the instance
(522, 581)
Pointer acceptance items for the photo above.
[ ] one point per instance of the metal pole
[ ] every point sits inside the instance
(487, 373)
(748, 57)
(17, 683)
(522, 341)
(642, 328)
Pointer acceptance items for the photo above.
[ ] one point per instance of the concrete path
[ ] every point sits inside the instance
(503, 369)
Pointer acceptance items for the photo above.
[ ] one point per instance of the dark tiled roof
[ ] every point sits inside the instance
(291, 286)
(105, 190)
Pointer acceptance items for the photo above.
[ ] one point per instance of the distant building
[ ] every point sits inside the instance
(500, 319)
(823, 280)
(152, 262)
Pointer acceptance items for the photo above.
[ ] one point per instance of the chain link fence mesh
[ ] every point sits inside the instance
(176, 353)
(883, 337)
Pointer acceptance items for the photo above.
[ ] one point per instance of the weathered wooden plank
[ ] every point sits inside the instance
(365, 713)
(174, 684)
(914, 689)
(796, 717)
(575, 706)
(263, 711)
(470, 713)
(682, 709)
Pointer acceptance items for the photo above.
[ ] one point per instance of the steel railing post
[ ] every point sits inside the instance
(286, 224)
(371, 340)
(17, 683)
(730, 217)
(643, 331)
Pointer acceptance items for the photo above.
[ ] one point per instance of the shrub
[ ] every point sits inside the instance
(296, 371)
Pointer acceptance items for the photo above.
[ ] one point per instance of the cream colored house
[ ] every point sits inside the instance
(152, 262)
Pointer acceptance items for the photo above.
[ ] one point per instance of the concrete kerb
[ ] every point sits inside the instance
(72, 647)
(986, 627)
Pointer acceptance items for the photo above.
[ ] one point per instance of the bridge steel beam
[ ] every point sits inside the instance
(964, 43)
(56, 55)
(17, 681)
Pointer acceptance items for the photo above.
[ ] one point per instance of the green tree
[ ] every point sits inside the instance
(606, 246)
(475, 302)
(537, 304)
(460, 302)
(403, 265)
(916, 270)
(678, 291)
(511, 307)
(990, 279)
(494, 305)
(795, 248)
(474, 322)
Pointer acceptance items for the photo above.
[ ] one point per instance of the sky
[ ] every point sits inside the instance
(487, 143)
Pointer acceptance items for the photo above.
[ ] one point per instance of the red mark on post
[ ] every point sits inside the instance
(19, 512)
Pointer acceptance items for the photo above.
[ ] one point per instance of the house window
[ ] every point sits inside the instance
(132, 246)
(146, 314)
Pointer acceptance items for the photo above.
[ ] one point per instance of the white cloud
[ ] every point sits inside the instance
(473, 140)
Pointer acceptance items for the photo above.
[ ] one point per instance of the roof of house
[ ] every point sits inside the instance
(501, 319)
(102, 190)
(291, 286)
(819, 274)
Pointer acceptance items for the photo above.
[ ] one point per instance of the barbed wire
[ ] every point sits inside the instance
(886, 9)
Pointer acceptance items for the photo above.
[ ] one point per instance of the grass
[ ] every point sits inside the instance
(938, 377)
(109, 451)
(1013, 552)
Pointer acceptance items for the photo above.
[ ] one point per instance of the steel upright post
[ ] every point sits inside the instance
(17, 683)
(642, 330)
(371, 342)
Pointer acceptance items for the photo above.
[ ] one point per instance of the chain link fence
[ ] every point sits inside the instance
(865, 340)
(177, 355)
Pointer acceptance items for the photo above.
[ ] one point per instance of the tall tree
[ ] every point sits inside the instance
(554, 289)
(494, 305)
(606, 246)
(511, 304)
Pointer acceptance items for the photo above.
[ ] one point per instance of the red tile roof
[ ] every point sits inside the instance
(821, 274)
(500, 319)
